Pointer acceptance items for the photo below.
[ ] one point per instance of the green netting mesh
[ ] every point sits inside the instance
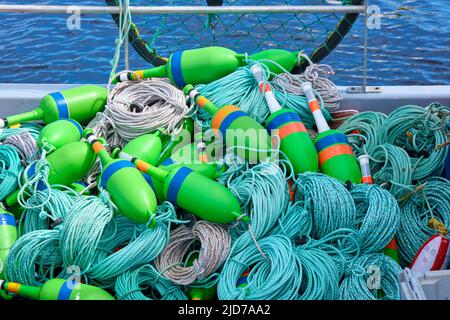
(241, 32)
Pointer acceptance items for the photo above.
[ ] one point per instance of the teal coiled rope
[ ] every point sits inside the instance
(320, 276)
(363, 131)
(328, 201)
(371, 277)
(133, 284)
(430, 200)
(418, 131)
(391, 169)
(377, 215)
(10, 168)
(273, 276)
(143, 248)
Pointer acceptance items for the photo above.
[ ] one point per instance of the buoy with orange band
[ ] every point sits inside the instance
(57, 289)
(295, 141)
(391, 249)
(336, 157)
(129, 190)
(246, 137)
(193, 192)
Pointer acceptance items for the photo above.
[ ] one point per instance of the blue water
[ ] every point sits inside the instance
(412, 47)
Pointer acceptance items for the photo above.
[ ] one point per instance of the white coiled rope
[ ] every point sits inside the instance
(215, 247)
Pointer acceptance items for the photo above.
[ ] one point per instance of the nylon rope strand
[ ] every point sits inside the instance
(371, 277)
(105, 272)
(429, 200)
(377, 216)
(214, 249)
(135, 285)
(320, 275)
(274, 278)
(25, 145)
(34, 258)
(391, 169)
(317, 75)
(328, 201)
(10, 168)
(83, 229)
(263, 193)
(139, 107)
(418, 131)
(363, 131)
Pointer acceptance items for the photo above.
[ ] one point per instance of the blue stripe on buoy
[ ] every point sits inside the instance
(330, 140)
(149, 180)
(168, 162)
(175, 67)
(113, 168)
(7, 220)
(65, 291)
(61, 104)
(242, 280)
(175, 184)
(31, 172)
(281, 119)
(77, 125)
(229, 120)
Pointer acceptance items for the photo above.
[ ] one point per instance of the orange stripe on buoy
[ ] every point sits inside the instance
(333, 151)
(98, 146)
(367, 179)
(13, 287)
(266, 89)
(221, 115)
(142, 166)
(314, 105)
(202, 101)
(203, 158)
(392, 245)
(291, 128)
(140, 74)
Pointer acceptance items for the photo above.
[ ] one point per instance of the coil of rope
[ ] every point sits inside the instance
(10, 168)
(320, 276)
(371, 277)
(274, 275)
(377, 216)
(429, 200)
(25, 144)
(418, 131)
(391, 169)
(139, 107)
(363, 131)
(215, 245)
(327, 200)
(132, 284)
(317, 75)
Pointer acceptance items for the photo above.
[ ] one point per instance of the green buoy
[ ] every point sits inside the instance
(59, 133)
(195, 193)
(8, 236)
(57, 289)
(129, 190)
(80, 104)
(204, 65)
(286, 124)
(67, 164)
(336, 157)
(246, 137)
